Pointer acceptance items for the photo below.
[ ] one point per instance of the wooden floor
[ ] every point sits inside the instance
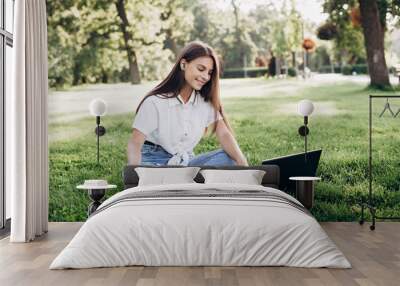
(374, 255)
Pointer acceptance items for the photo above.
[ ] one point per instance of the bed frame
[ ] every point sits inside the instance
(270, 179)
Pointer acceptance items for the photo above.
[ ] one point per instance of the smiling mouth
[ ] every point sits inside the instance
(201, 82)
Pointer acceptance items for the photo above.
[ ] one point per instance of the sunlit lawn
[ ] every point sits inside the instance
(265, 127)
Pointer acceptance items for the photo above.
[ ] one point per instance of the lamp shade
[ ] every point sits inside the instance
(97, 107)
(305, 107)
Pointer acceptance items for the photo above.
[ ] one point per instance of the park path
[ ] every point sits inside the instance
(66, 106)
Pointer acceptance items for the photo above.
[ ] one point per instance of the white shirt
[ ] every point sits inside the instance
(174, 125)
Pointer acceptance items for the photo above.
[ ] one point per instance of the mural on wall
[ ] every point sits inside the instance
(255, 63)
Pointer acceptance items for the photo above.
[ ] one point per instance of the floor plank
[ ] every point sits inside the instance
(374, 255)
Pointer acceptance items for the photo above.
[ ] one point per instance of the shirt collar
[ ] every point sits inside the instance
(178, 100)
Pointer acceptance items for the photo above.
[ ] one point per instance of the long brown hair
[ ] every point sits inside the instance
(174, 82)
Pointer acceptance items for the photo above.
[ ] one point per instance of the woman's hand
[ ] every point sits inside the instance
(242, 162)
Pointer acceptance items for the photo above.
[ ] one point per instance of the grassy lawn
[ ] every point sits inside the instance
(265, 127)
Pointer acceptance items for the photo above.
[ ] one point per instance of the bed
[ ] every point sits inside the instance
(201, 224)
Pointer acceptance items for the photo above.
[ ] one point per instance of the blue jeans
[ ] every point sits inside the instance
(156, 155)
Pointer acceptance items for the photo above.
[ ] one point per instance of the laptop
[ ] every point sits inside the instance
(295, 165)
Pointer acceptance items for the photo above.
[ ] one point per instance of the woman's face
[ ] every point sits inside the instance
(198, 71)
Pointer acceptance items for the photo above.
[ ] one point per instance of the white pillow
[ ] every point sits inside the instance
(163, 176)
(249, 177)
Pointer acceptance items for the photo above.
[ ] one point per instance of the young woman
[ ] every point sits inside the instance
(174, 116)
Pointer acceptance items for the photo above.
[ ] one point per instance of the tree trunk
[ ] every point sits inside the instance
(170, 43)
(374, 44)
(278, 66)
(294, 60)
(132, 59)
(76, 72)
(238, 35)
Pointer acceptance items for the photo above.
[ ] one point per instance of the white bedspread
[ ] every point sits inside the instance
(183, 231)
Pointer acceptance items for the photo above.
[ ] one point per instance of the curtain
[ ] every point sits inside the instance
(26, 124)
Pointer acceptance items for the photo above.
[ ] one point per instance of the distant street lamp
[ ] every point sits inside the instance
(98, 107)
(305, 107)
(308, 45)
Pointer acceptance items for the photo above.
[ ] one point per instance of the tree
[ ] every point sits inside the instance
(156, 28)
(374, 32)
(82, 42)
(294, 31)
(286, 36)
(61, 51)
(236, 43)
(202, 22)
(373, 14)
(94, 41)
(177, 25)
(348, 38)
(262, 20)
(127, 36)
(227, 30)
(238, 34)
(278, 30)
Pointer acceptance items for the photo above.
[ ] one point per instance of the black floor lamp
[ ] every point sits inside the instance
(98, 108)
(305, 108)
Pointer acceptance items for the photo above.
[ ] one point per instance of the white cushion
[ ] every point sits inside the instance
(249, 177)
(164, 176)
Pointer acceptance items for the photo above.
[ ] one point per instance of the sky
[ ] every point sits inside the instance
(311, 10)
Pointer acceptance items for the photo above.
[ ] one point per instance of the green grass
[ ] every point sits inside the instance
(263, 131)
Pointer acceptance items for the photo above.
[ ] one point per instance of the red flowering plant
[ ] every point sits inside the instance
(308, 44)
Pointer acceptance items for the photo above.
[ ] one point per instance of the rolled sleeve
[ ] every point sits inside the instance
(211, 116)
(146, 120)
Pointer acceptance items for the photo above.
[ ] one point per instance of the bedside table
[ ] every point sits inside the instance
(305, 190)
(96, 194)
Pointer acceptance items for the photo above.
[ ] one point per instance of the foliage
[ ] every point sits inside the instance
(321, 57)
(294, 28)
(262, 20)
(286, 30)
(263, 131)
(347, 70)
(228, 31)
(327, 31)
(349, 39)
(358, 69)
(86, 43)
(80, 36)
(177, 23)
(277, 31)
(244, 72)
(292, 72)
